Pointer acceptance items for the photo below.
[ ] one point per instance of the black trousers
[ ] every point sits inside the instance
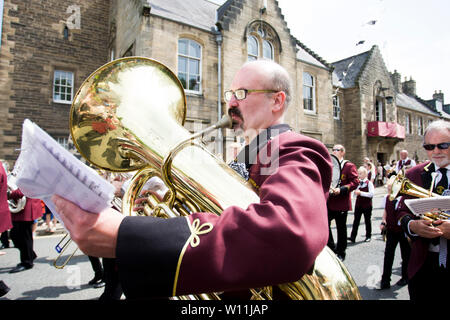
(341, 228)
(96, 266)
(4, 238)
(113, 289)
(367, 212)
(431, 282)
(22, 236)
(392, 240)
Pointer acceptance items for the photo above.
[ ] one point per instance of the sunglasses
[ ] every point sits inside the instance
(441, 146)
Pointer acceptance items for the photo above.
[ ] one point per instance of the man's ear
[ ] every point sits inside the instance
(279, 101)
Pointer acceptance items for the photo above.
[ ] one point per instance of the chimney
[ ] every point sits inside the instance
(397, 81)
(438, 96)
(409, 87)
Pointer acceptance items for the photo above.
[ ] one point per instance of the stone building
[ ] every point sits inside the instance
(379, 115)
(49, 47)
(47, 50)
(205, 43)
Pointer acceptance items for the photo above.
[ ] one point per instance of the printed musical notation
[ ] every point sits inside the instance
(45, 168)
(420, 206)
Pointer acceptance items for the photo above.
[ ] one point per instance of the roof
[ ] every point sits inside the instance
(411, 103)
(346, 71)
(197, 13)
(307, 55)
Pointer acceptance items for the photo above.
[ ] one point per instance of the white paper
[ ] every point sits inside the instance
(420, 206)
(45, 168)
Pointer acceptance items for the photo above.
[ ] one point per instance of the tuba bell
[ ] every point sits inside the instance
(129, 115)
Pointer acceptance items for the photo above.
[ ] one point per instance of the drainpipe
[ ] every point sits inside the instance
(219, 39)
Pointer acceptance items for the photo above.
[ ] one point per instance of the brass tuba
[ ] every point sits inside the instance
(129, 115)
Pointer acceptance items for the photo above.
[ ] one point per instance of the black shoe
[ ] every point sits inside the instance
(402, 282)
(5, 246)
(4, 289)
(351, 240)
(95, 280)
(367, 240)
(341, 257)
(20, 268)
(100, 284)
(384, 285)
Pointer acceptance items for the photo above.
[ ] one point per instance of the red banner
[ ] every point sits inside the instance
(385, 129)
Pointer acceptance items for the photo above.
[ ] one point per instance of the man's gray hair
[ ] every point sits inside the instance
(279, 78)
(440, 125)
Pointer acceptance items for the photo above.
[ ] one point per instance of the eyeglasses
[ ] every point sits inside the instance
(441, 146)
(241, 94)
(337, 150)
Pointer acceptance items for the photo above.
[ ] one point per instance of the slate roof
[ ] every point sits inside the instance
(346, 71)
(197, 13)
(413, 103)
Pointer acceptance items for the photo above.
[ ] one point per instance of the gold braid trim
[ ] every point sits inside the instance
(194, 240)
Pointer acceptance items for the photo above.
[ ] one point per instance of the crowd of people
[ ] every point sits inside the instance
(257, 245)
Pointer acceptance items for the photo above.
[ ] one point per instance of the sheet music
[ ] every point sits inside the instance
(419, 206)
(45, 168)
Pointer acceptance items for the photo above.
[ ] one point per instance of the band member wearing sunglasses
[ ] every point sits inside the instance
(429, 267)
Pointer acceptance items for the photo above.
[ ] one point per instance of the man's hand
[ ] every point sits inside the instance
(425, 229)
(444, 226)
(95, 234)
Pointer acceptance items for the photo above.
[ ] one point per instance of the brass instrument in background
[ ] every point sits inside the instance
(402, 185)
(15, 206)
(129, 115)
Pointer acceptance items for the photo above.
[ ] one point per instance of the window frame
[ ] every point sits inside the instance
(336, 108)
(312, 89)
(189, 57)
(72, 86)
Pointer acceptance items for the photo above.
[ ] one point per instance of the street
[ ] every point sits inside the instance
(364, 260)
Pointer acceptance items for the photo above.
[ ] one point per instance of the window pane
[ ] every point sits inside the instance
(182, 77)
(183, 46)
(267, 50)
(194, 66)
(182, 64)
(194, 49)
(308, 79)
(252, 44)
(193, 83)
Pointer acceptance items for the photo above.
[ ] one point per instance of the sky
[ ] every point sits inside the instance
(413, 35)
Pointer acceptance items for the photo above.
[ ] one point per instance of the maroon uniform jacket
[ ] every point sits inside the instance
(32, 210)
(349, 182)
(5, 215)
(274, 241)
(421, 176)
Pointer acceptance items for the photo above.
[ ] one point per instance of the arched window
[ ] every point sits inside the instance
(309, 93)
(189, 64)
(261, 41)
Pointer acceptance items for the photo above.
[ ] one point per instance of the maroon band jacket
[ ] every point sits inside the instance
(5, 215)
(274, 241)
(349, 182)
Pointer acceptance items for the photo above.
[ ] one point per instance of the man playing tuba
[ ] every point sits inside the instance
(270, 242)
